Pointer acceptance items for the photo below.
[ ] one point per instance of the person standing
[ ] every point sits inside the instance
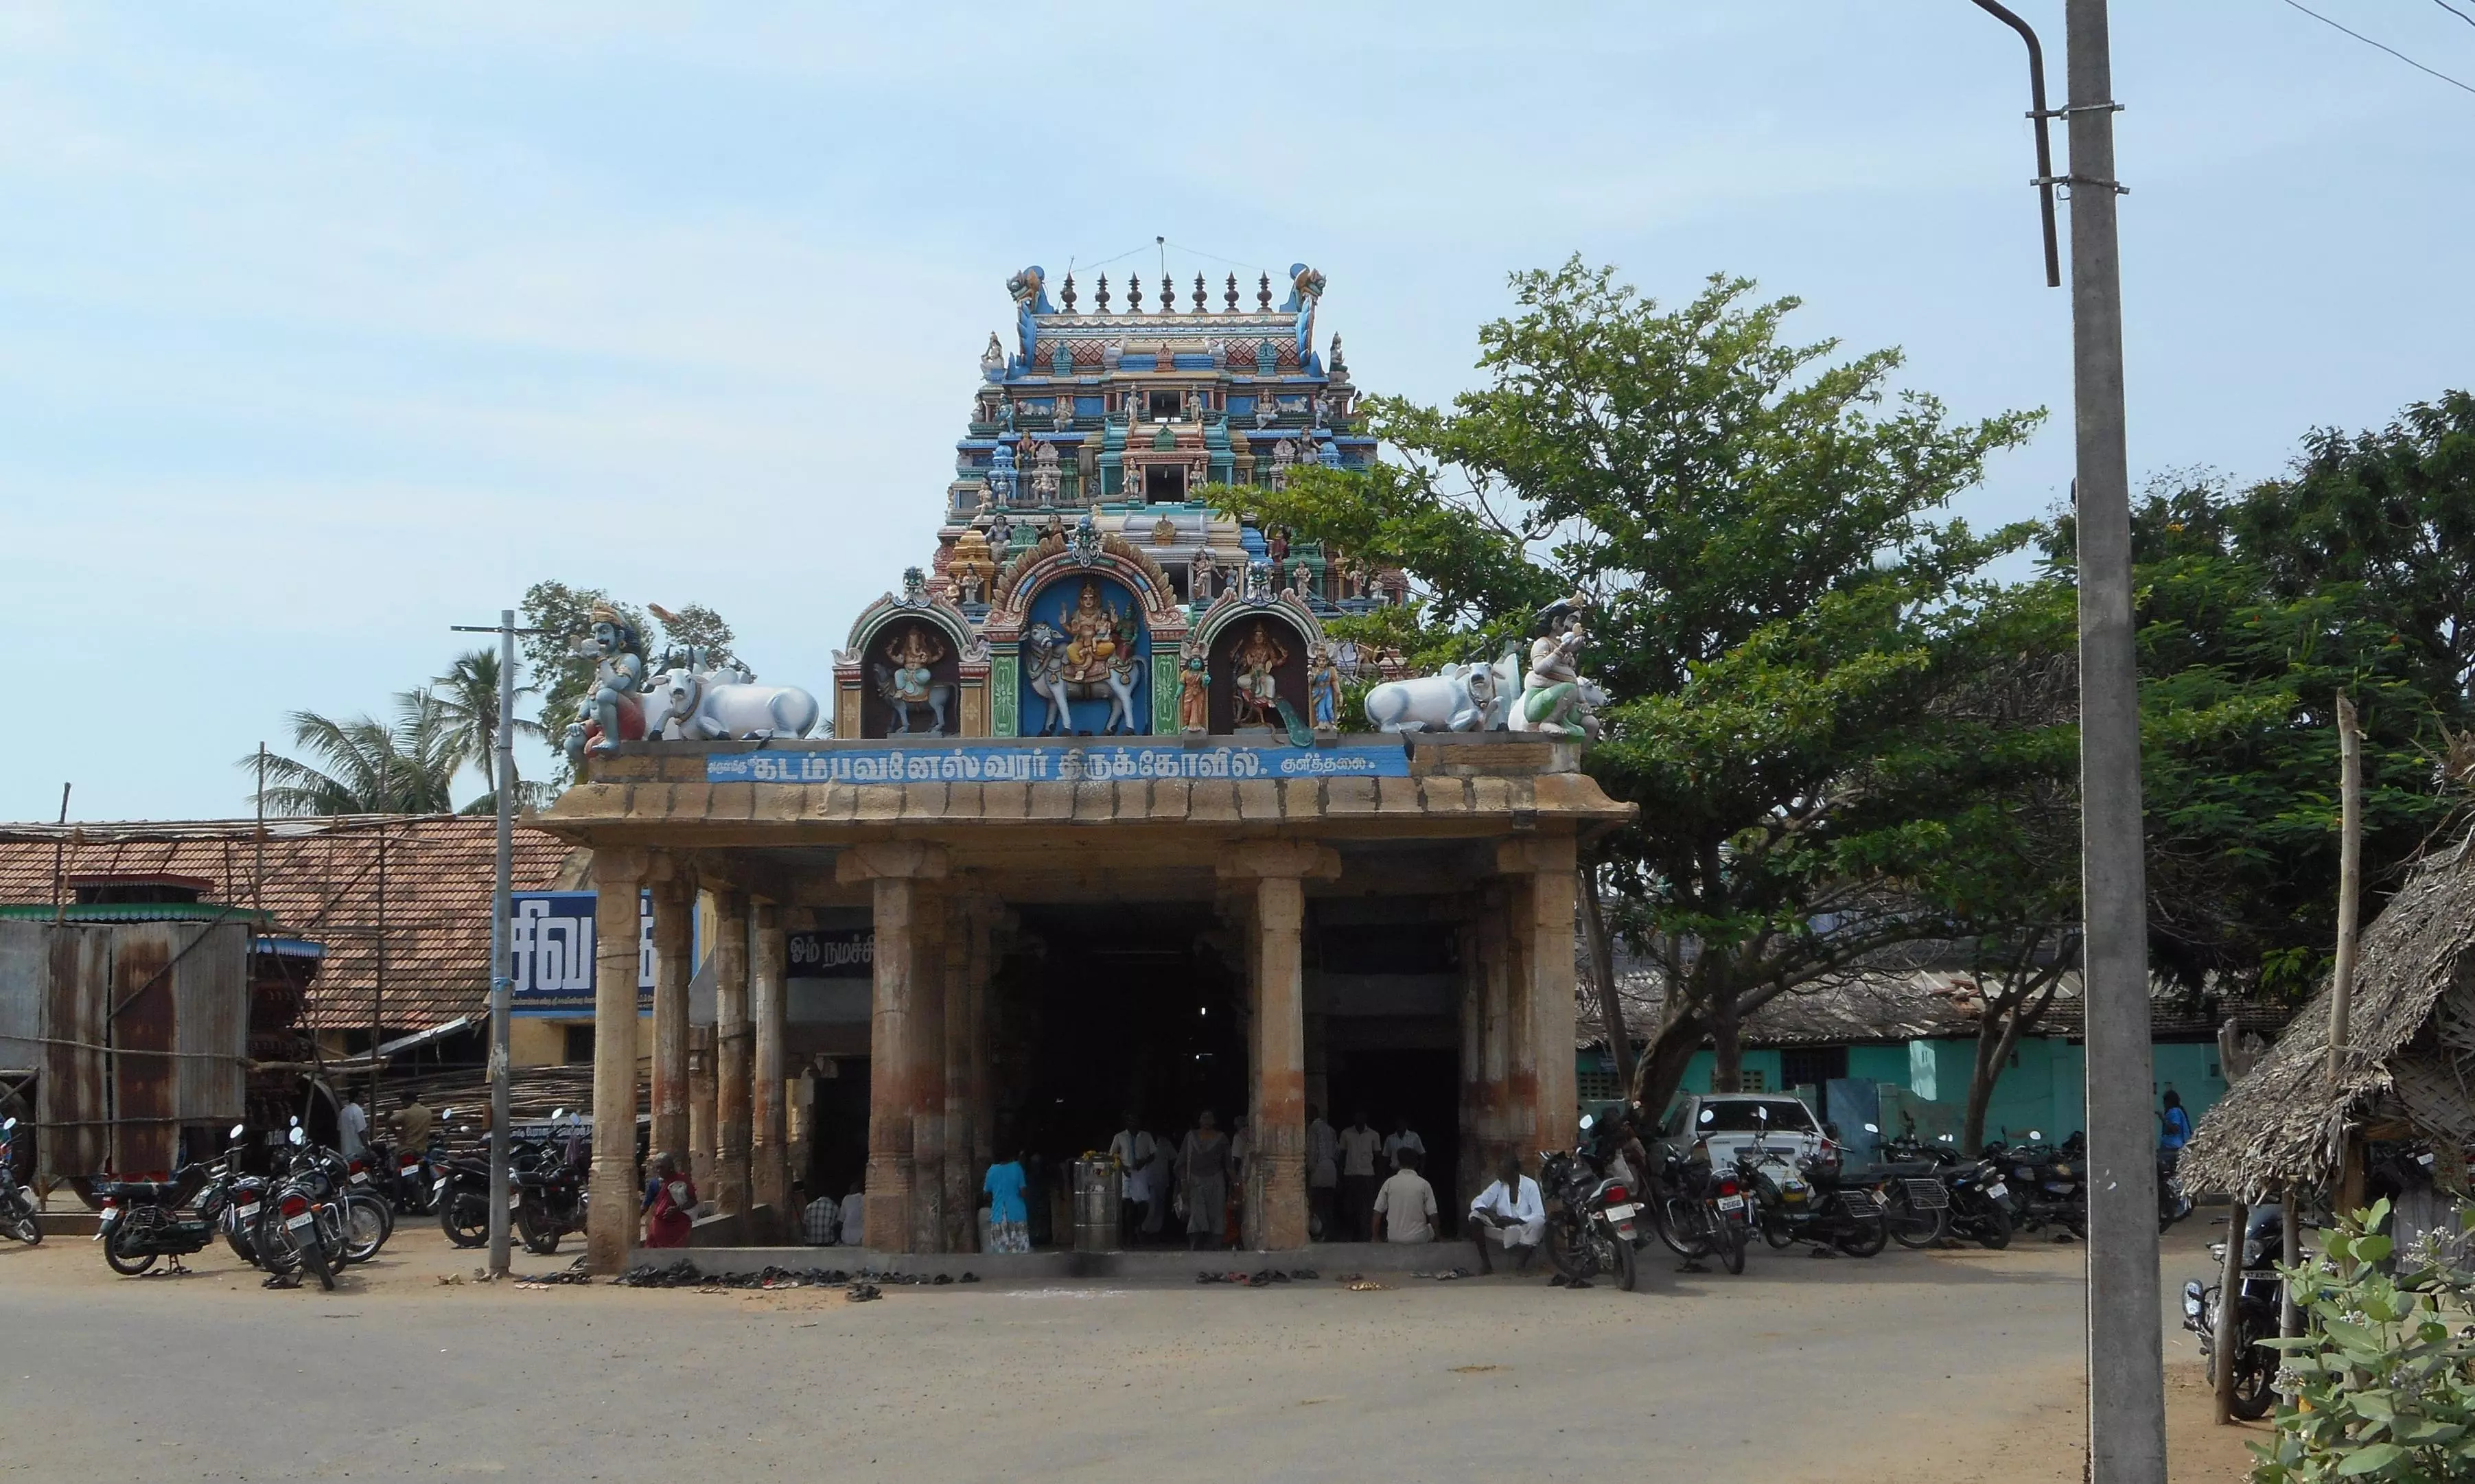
(351, 1129)
(1323, 1173)
(2174, 1126)
(1132, 1150)
(1403, 1137)
(1360, 1145)
(1407, 1203)
(412, 1124)
(1009, 1219)
(1203, 1165)
(1160, 1184)
(1510, 1215)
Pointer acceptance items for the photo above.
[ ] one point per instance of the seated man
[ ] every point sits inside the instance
(821, 1223)
(853, 1232)
(1509, 1214)
(1406, 1205)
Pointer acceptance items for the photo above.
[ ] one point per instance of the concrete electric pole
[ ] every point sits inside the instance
(2126, 1362)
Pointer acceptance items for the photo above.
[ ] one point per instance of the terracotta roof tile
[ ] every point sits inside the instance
(323, 883)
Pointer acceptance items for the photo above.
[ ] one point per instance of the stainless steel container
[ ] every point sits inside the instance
(1098, 1186)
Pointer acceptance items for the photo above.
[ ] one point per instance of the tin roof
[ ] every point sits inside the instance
(322, 885)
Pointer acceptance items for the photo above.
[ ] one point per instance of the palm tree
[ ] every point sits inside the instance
(364, 766)
(468, 697)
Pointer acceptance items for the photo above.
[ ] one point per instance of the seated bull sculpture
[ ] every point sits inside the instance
(1456, 698)
(710, 705)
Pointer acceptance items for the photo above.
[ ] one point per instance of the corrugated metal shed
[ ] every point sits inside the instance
(134, 1030)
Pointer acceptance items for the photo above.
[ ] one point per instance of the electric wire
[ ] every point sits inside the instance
(2391, 50)
(2455, 10)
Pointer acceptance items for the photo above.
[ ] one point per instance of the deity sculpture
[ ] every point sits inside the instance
(906, 681)
(1194, 690)
(1092, 637)
(1554, 696)
(613, 710)
(1199, 573)
(1253, 691)
(1323, 690)
(971, 566)
(1001, 536)
(1278, 543)
(992, 360)
(1001, 477)
(1061, 416)
(1267, 408)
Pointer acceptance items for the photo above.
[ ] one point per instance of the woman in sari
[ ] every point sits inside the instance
(1009, 1221)
(1203, 1161)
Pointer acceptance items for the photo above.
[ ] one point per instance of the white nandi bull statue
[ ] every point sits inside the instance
(692, 704)
(1456, 698)
(1045, 671)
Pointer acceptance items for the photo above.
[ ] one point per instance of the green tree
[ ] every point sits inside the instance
(561, 616)
(468, 697)
(364, 766)
(1777, 600)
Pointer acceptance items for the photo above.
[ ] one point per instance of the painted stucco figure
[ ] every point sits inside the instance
(1253, 690)
(1194, 690)
(1554, 697)
(906, 680)
(694, 702)
(1323, 690)
(1045, 652)
(612, 711)
(1092, 637)
(1456, 698)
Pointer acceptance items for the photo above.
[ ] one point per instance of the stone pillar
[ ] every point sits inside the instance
(673, 904)
(1276, 1034)
(928, 1071)
(1543, 925)
(1495, 1026)
(731, 1037)
(770, 1134)
(963, 916)
(896, 868)
(618, 876)
(701, 1100)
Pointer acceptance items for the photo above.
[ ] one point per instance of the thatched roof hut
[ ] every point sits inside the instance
(2409, 1060)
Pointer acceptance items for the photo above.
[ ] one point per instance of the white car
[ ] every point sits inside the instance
(1733, 1122)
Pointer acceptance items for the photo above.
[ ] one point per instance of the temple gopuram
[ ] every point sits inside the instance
(1091, 835)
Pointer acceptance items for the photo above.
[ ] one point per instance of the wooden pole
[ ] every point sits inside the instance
(2289, 1316)
(2229, 1303)
(2350, 876)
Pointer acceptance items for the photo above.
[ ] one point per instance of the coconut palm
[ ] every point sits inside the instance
(468, 697)
(365, 766)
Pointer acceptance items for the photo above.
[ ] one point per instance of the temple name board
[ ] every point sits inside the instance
(1060, 762)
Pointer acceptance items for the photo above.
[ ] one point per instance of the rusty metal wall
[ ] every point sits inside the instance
(176, 997)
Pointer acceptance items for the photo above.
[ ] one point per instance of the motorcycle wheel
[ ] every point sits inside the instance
(124, 1260)
(367, 1225)
(465, 1219)
(1568, 1248)
(25, 1227)
(1994, 1228)
(1776, 1232)
(2255, 1380)
(541, 1235)
(1627, 1265)
(1866, 1235)
(1732, 1241)
(1912, 1226)
(313, 1256)
(1675, 1232)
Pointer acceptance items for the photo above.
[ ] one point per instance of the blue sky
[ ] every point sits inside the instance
(322, 328)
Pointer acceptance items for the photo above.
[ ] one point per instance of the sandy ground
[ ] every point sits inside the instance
(1960, 1366)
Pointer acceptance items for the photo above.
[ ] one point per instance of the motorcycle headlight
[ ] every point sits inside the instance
(2192, 1300)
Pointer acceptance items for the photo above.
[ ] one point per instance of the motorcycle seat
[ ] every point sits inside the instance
(138, 1190)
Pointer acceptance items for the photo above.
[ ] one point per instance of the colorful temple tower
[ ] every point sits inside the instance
(1082, 582)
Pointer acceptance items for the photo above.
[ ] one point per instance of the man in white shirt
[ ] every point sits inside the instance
(1407, 1204)
(351, 1129)
(1359, 1146)
(1132, 1148)
(1508, 1214)
(1323, 1173)
(1403, 1137)
(854, 1205)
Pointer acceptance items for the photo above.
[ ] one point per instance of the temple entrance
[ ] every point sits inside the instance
(1422, 1086)
(1111, 1009)
(838, 1127)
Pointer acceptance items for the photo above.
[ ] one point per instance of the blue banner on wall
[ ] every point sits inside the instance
(1060, 762)
(552, 938)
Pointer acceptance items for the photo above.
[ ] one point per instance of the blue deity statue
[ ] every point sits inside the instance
(1030, 297)
(613, 710)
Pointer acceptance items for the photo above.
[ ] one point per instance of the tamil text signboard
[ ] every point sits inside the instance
(552, 938)
(1077, 761)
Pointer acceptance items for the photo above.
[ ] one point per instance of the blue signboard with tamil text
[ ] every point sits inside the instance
(552, 938)
(1082, 760)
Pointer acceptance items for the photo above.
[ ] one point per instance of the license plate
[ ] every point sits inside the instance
(297, 1223)
(1618, 1213)
(1997, 1190)
(109, 1217)
(361, 1177)
(247, 1213)
(1732, 1203)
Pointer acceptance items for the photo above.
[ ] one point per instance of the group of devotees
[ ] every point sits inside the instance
(1362, 1185)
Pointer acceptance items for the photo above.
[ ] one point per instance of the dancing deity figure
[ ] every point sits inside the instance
(613, 710)
(1323, 690)
(1253, 692)
(907, 681)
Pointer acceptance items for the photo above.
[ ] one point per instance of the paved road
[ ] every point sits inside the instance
(1925, 1366)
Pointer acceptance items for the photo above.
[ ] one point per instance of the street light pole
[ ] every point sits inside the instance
(501, 972)
(2126, 1362)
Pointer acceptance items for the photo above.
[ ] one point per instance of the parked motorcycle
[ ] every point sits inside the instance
(1591, 1217)
(1702, 1211)
(2257, 1302)
(551, 1195)
(303, 1225)
(2045, 1182)
(1806, 1200)
(19, 1208)
(143, 1220)
(1908, 1186)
